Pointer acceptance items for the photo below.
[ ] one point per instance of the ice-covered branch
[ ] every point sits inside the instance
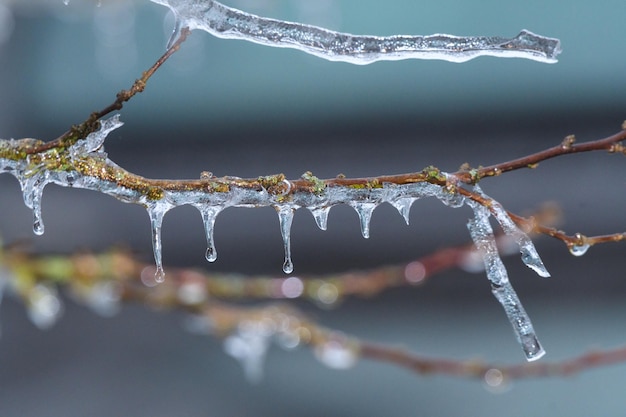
(84, 164)
(226, 22)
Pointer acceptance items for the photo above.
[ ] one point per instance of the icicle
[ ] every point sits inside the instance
(156, 212)
(320, 214)
(403, 205)
(209, 213)
(482, 235)
(226, 22)
(530, 256)
(364, 211)
(32, 189)
(519, 320)
(285, 217)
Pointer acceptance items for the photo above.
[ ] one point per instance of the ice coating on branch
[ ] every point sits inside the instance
(482, 235)
(226, 22)
(90, 168)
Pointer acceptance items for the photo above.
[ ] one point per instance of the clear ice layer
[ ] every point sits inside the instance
(226, 22)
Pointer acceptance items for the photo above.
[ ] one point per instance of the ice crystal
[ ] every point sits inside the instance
(226, 22)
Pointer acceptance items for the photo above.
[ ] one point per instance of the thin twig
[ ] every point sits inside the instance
(91, 123)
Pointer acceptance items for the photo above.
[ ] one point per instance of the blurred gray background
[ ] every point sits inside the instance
(241, 109)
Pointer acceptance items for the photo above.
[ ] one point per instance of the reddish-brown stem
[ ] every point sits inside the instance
(478, 369)
(91, 123)
(610, 143)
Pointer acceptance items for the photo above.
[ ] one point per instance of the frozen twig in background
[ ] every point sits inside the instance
(226, 22)
(104, 281)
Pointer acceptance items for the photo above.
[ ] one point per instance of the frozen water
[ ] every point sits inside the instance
(364, 210)
(156, 211)
(320, 214)
(209, 213)
(226, 22)
(530, 256)
(94, 142)
(482, 235)
(403, 205)
(520, 321)
(579, 250)
(285, 217)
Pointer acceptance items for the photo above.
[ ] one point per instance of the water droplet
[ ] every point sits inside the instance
(364, 211)
(208, 217)
(579, 250)
(32, 189)
(285, 217)
(320, 214)
(178, 25)
(38, 224)
(159, 275)
(403, 205)
(156, 213)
